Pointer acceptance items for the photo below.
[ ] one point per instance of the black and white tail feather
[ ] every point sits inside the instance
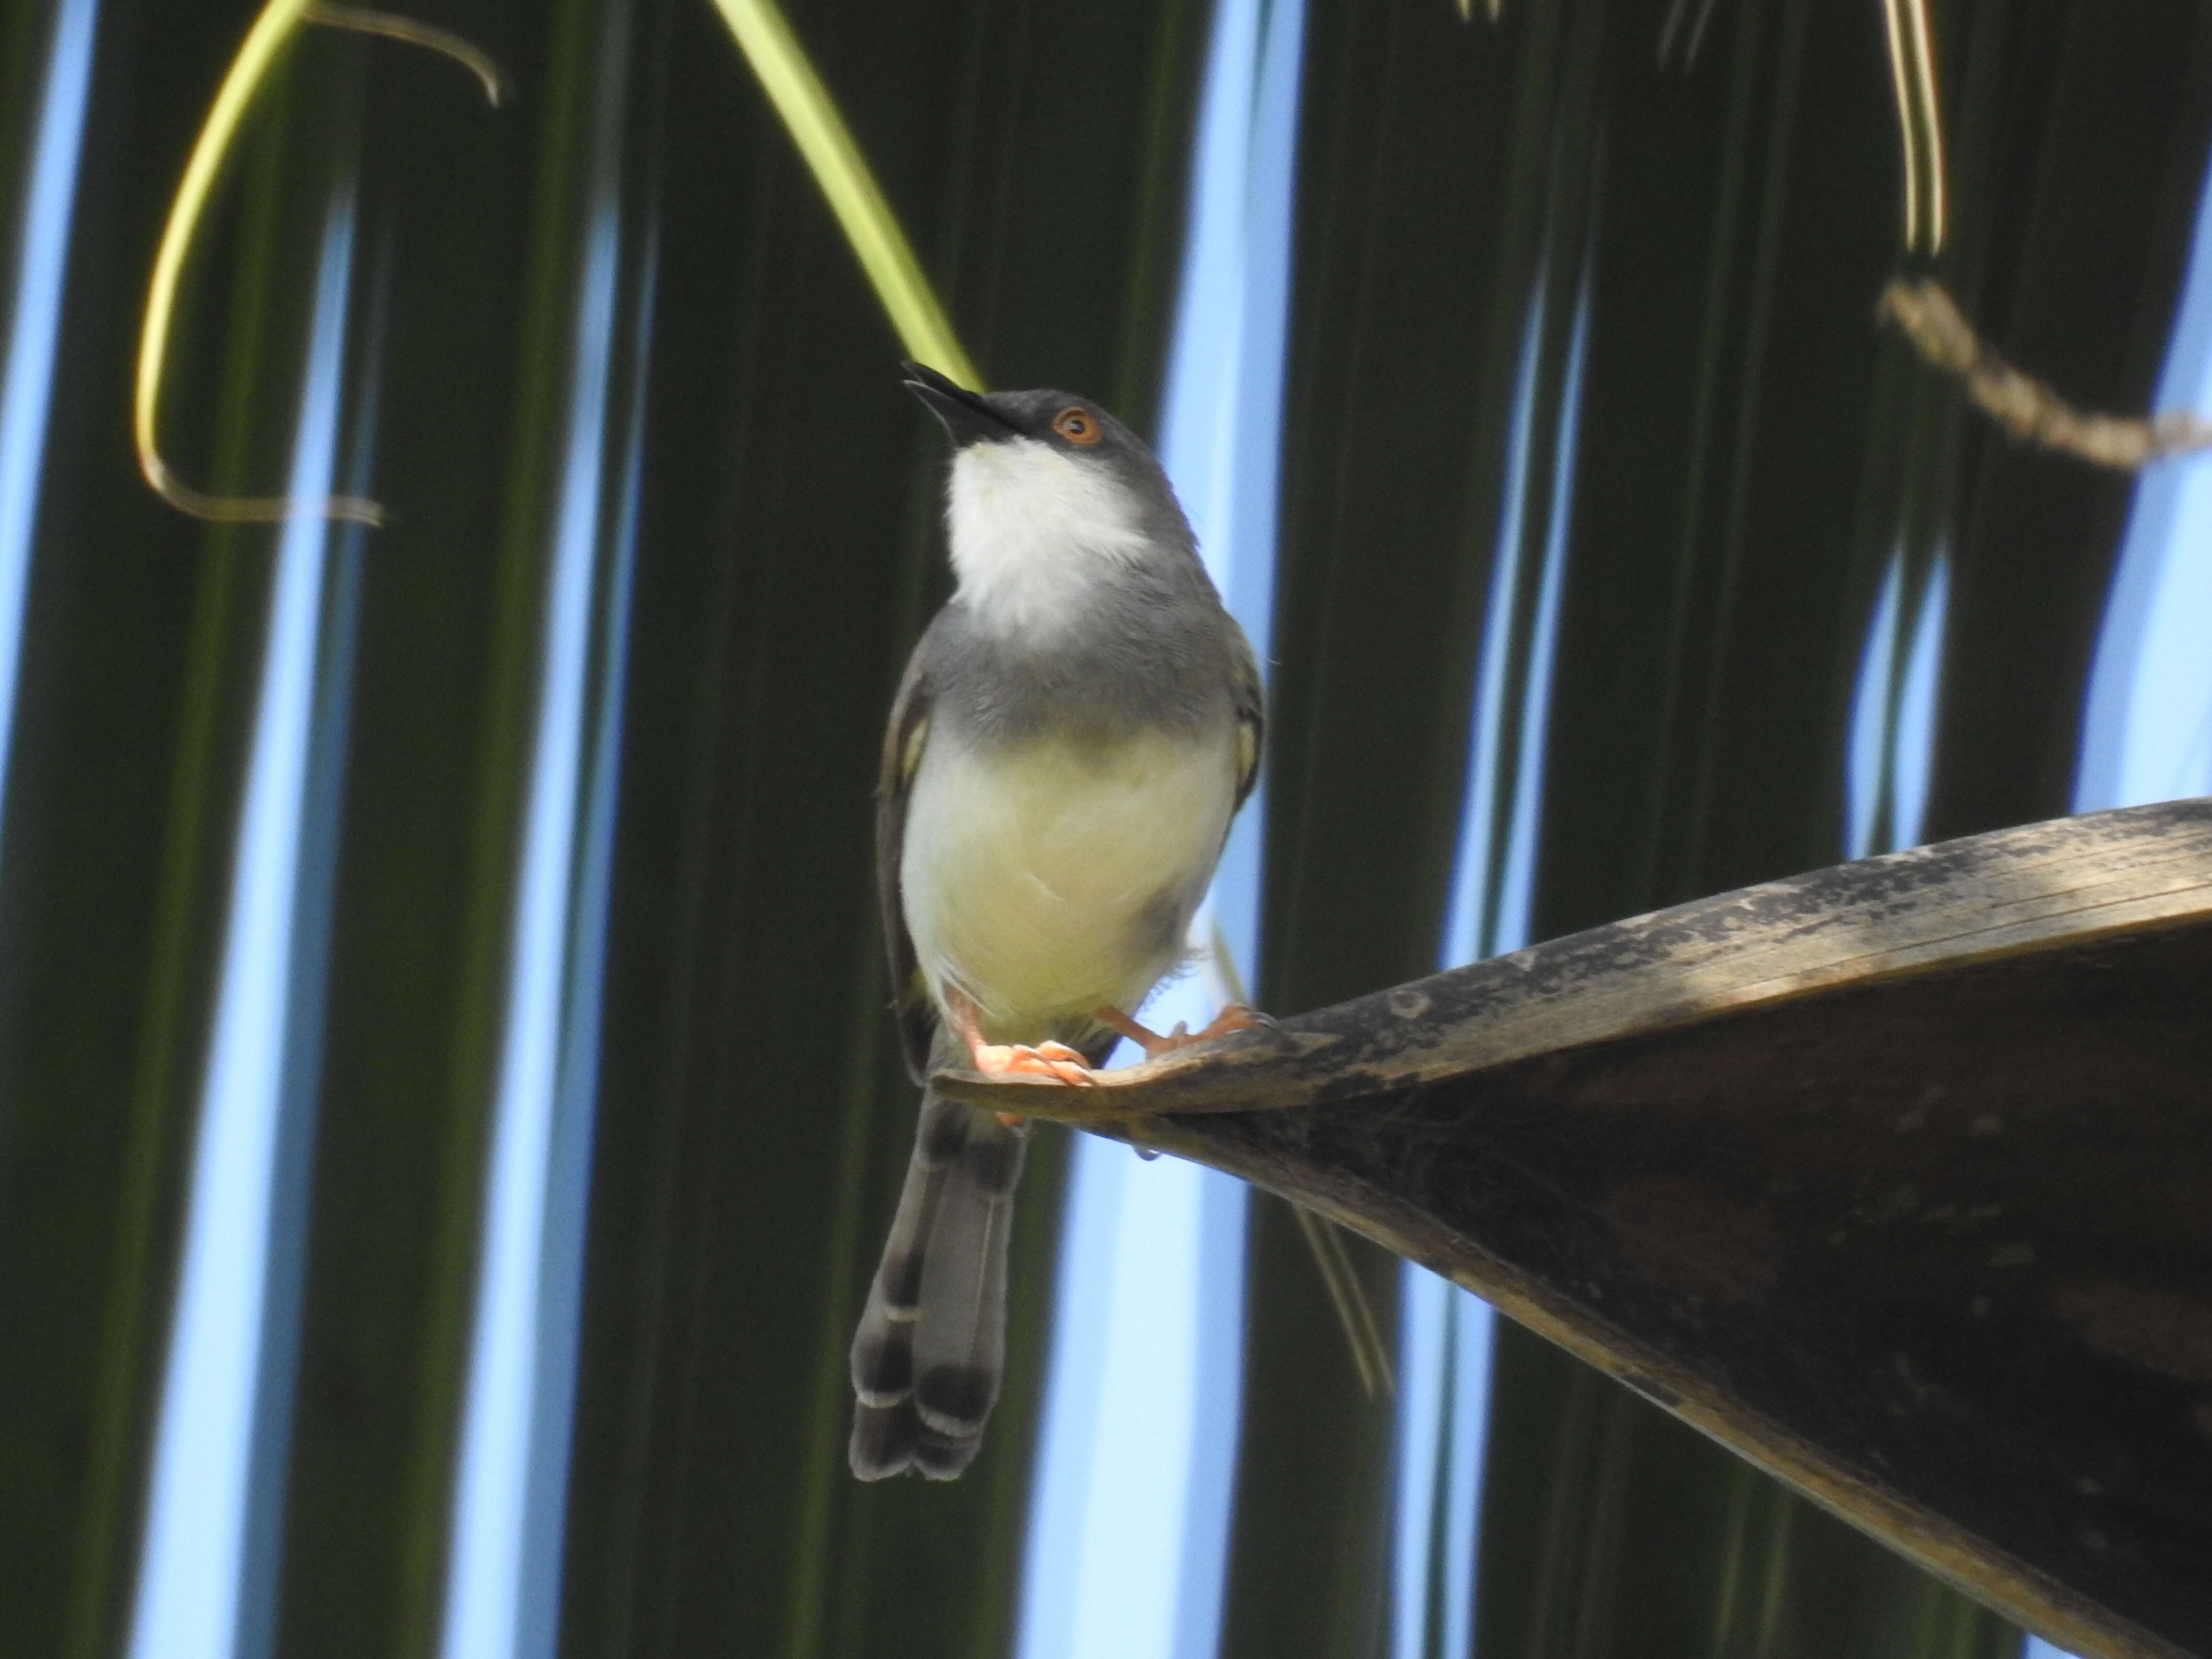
(931, 1346)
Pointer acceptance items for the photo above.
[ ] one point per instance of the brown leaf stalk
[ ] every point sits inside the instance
(2024, 407)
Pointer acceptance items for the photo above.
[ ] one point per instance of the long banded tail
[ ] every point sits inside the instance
(931, 1347)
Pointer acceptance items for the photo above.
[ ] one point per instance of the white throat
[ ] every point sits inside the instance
(1033, 531)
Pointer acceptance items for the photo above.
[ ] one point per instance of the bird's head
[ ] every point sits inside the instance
(1049, 495)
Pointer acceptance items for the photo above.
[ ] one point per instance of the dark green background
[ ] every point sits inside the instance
(1752, 449)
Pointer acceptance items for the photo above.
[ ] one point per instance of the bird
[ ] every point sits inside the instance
(1074, 732)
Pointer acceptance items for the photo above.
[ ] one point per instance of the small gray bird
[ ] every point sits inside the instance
(1074, 732)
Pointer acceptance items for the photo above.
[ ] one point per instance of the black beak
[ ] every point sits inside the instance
(967, 419)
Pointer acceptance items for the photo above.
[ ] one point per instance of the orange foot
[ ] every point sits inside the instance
(1235, 1017)
(1053, 1060)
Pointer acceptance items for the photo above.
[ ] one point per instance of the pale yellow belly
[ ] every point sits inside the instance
(1047, 881)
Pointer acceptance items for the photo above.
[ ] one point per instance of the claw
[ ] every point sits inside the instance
(1236, 1016)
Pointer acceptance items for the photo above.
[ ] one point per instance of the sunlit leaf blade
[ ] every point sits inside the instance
(818, 128)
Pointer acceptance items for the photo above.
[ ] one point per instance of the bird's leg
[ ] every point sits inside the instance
(1053, 1060)
(1235, 1017)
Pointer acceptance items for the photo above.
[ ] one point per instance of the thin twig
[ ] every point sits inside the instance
(363, 20)
(1919, 122)
(1355, 1313)
(2022, 405)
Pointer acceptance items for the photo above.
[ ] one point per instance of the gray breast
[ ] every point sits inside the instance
(1155, 650)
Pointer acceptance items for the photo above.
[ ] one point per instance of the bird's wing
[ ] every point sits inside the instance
(1251, 721)
(903, 740)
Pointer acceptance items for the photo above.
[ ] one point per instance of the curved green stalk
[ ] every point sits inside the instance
(248, 70)
(811, 118)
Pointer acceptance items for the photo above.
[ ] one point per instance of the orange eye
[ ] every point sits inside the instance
(1075, 426)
